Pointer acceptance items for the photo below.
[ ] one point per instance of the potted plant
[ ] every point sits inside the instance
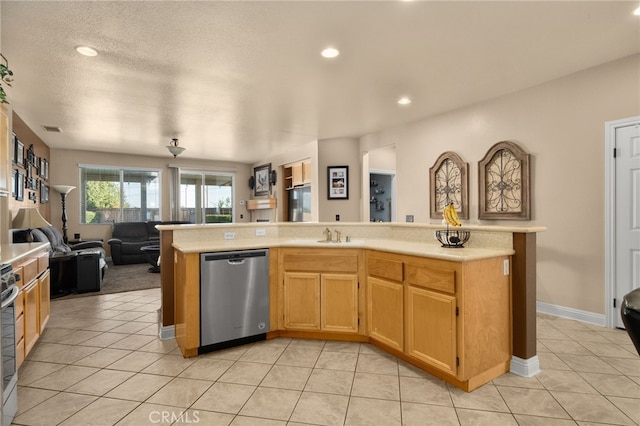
(7, 77)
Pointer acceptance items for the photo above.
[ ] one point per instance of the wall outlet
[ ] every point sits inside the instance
(229, 235)
(409, 218)
(506, 267)
(261, 232)
(337, 218)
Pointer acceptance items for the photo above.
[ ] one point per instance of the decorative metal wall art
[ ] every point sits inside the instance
(449, 183)
(503, 183)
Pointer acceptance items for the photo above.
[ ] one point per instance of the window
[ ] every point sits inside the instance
(110, 194)
(206, 197)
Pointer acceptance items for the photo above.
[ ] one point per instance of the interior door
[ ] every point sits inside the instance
(627, 207)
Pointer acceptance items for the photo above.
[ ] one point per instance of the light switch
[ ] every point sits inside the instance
(506, 267)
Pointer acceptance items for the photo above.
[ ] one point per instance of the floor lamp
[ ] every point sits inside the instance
(64, 190)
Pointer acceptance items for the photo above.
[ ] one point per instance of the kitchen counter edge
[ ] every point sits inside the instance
(391, 246)
(10, 253)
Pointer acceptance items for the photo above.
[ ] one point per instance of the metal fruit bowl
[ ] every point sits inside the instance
(452, 238)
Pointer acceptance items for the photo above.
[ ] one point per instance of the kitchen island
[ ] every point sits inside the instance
(447, 311)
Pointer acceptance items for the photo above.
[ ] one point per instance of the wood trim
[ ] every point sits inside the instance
(523, 298)
(166, 278)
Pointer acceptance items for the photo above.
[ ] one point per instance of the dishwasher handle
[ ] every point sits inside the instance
(235, 261)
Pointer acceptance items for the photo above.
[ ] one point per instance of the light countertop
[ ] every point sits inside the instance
(431, 250)
(10, 253)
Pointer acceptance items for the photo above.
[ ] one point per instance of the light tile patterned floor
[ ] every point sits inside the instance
(99, 362)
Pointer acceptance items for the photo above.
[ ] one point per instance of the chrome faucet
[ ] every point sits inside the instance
(327, 234)
(337, 236)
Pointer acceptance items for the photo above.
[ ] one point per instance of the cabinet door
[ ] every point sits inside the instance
(385, 313)
(431, 328)
(31, 320)
(306, 172)
(339, 303)
(45, 299)
(302, 301)
(297, 174)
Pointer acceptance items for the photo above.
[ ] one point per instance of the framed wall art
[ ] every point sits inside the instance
(19, 185)
(261, 180)
(338, 182)
(44, 194)
(449, 183)
(503, 183)
(18, 152)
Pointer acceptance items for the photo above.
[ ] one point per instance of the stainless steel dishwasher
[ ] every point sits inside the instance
(234, 298)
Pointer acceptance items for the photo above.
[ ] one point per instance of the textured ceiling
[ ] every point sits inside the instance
(239, 80)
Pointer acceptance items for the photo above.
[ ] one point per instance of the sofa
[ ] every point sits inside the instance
(127, 238)
(62, 256)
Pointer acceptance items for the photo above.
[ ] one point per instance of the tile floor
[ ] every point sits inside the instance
(99, 362)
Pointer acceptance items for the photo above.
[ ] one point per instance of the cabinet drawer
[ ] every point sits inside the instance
(321, 262)
(19, 327)
(432, 277)
(19, 304)
(29, 271)
(20, 352)
(384, 268)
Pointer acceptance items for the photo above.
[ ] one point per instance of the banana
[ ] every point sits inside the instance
(451, 215)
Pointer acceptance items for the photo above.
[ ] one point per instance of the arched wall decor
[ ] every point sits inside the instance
(449, 182)
(503, 183)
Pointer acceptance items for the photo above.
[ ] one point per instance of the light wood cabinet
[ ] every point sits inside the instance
(31, 317)
(320, 290)
(454, 318)
(33, 304)
(431, 328)
(385, 299)
(44, 288)
(297, 174)
(339, 303)
(302, 301)
(321, 302)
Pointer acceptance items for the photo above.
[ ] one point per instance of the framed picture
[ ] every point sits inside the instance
(18, 153)
(42, 170)
(44, 194)
(19, 185)
(338, 182)
(503, 183)
(261, 180)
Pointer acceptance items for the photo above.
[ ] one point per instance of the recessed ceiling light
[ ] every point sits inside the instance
(404, 101)
(330, 52)
(86, 51)
(637, 12)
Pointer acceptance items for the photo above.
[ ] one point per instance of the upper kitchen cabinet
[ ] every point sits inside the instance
(5, 162)
(297, 174)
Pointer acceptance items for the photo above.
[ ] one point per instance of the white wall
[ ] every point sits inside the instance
(561, 124)
(340, 152)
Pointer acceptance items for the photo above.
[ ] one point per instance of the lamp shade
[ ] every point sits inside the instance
(29, 218)
(63, 189)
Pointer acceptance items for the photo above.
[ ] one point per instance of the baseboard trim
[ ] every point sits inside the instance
(525, 367)
(571, 313)
(167, 332)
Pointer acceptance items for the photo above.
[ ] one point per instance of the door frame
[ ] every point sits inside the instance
(610, 128)
(392, 190)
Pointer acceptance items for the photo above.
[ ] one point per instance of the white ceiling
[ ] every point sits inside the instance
(239, 80)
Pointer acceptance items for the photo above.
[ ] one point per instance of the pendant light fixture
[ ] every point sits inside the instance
(174, 148)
